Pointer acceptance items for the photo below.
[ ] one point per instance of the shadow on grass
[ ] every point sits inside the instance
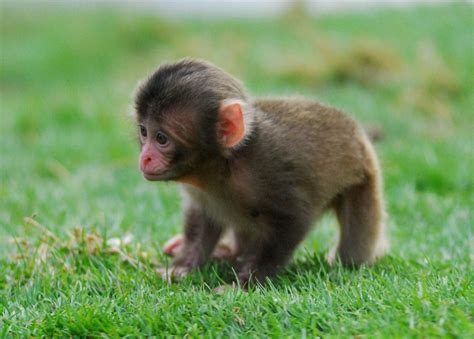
(298, 274)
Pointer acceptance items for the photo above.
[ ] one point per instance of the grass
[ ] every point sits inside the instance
(69, 182)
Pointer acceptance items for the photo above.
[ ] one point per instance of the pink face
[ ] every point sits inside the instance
(152, 163)
(169, 148)
(155, 153)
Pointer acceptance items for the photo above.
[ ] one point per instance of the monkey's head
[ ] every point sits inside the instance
(189, 113)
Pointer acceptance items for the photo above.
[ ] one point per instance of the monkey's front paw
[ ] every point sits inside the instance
(225, 249)
(174, 245)
(172, 273)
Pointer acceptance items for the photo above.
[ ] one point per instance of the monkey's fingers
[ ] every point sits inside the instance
(173, 273)
(224, 250)
(173, 245)
(165, 274)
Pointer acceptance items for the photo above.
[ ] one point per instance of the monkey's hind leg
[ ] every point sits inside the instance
(360, 212)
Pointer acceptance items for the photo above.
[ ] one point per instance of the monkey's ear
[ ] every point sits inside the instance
(231, 124)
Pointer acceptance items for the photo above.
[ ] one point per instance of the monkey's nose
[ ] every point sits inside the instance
(146, 161)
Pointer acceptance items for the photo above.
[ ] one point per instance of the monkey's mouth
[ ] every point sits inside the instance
(153, 176)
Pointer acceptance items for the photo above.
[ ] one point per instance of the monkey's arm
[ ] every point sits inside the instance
(200, 237)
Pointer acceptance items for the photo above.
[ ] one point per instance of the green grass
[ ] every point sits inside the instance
(68, 162)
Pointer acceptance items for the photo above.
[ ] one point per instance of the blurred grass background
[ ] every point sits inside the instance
(68, 151)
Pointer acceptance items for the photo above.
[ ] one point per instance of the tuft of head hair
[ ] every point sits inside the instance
(195, 84)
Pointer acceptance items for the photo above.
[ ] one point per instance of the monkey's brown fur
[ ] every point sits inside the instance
(298, 158)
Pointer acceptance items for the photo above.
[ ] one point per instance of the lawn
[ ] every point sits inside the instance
(81, 230)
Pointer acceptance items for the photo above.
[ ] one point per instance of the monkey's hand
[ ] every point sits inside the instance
(187, 256)
(173, 273)
(173, 246)
(225, 249)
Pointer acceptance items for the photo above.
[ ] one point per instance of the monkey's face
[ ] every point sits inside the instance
(166, 151)
(156, 152)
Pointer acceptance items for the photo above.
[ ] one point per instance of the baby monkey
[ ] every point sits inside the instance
(264, 168)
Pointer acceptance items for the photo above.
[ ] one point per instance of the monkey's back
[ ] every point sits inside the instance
(309, 133)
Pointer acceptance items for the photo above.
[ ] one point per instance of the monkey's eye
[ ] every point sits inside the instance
(143, 131)
(161, 138)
